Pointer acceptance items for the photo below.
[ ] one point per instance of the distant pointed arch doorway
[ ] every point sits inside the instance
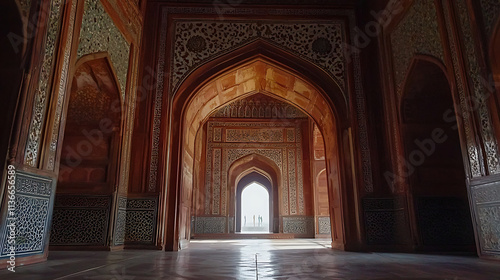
(242, 185)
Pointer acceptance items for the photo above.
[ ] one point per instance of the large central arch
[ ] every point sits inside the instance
(261, 68)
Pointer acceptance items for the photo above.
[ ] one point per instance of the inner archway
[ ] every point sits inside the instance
(268, 180)
(255, 209)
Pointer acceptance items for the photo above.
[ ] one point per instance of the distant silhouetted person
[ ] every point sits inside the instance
(245, 220)
(254, 220)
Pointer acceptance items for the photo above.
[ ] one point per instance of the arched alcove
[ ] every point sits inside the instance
(232, 78)
(436, 177)
(89, 163)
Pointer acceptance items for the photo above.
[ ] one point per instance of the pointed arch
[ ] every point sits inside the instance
(242, 184)
(259, 168)
(105, 59)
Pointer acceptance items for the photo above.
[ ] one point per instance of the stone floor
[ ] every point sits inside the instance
(235, 259)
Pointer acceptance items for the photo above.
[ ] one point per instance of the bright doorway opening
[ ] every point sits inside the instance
(254, 209)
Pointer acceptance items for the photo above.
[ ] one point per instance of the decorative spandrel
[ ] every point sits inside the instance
(196, 42)
(225, 151)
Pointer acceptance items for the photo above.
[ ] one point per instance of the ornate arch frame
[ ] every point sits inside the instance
(338, 134)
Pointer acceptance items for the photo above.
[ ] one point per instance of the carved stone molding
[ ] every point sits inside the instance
(479, 91)
(199, 41)
(486, 207)
(259, 107)
(472, 151)
(61, 91)
(43, 89)
(210, 225)
(100, 34)
(417, 33)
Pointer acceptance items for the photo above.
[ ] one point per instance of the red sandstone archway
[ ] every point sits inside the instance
(243, 73)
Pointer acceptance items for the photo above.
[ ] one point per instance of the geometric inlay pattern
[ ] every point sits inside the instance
(31, 213)
(254, 135)
(121, 220)
(269, 142)
(324, 225)
(385, 220)
(470, 139)
(99, 34)
(489, 219)
(479, 91)
(79, 227)
(210, 225)
(80, 220)
(141, 220)
(299, 225)
(43, 88)
(318, 42)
